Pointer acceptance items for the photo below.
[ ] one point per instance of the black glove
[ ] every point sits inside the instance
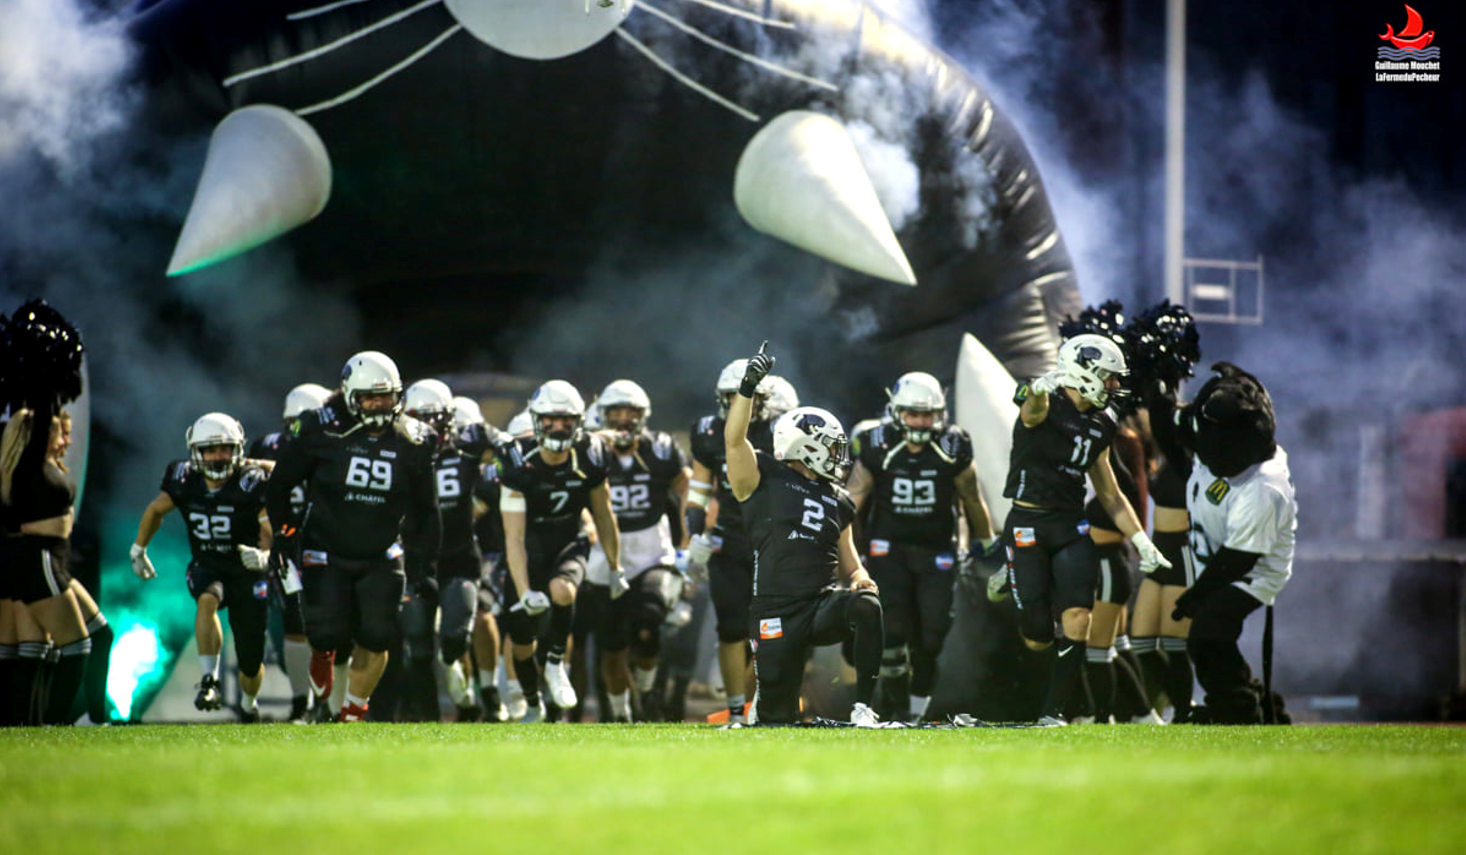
(759, 366)
(284, 546)
(1189, 603)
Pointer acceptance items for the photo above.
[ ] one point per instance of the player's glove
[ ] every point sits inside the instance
(1151, 558)
(619, 585)
(142, 567)
(283, 548)
(532, 603)
(256, 560)
(699, 550)
(759, 366)
(1047, 384)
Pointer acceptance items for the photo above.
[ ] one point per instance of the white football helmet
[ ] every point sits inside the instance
(466, 412)
(430, 401)
(1086, 361)
(556, 398)
(730, 379)
(306, 396)
(782, 397)
(624, 393)
(210, 430)
(521, 424)
(371, 373)
(814, 437)
(918, 392)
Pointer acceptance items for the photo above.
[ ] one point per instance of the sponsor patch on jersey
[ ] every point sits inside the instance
(394, 551)
(1083, 527)
(262, 590)
(314, 558)
(1021, 394)
(945, 561)
(1023, 536)
(770, 628)
(879, 548)
(928, 473)
(1218, 491)
(387, 453)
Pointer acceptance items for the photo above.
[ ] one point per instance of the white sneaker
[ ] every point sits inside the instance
(512, 696)
(998, 587)
(535, 714)
(558, 682)
(863, 716)
(1052, 721)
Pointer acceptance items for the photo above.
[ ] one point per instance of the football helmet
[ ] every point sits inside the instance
(556, 398)
(466, 412)
(210, 430)
(918, 392)
(782, 397)
(814, 437)
(371, 373)
(629, 394)
(430, 401)
(521, 424)
(729, 381)
(306, 396)
(1086, 361)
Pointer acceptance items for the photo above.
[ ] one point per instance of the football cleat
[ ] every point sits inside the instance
(470, 713)
(998, 587)
(863, 716)
(352, 712)
(248, 716)
(535, 714)
(494, 711)
(300, 709)
(558, 682)
(515, 705)
(1052, 721)
(208, 698)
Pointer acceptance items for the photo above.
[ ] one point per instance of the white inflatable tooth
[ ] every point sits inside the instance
(267, 172)
(985, 409)
(801, 180)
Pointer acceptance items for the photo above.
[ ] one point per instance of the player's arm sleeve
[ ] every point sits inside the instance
(292, 468)
(426, 529)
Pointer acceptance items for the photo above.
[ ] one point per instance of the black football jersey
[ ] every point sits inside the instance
(554, 496)
(709, 449)
(795, 524)
(639, 483)
(456, 473)
(489, 528)
(219, 520)
(1049, 461)
(914, 497)
(269, 447)
(360, 489)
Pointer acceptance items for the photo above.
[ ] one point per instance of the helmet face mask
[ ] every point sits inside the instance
(215, 430)
(367, 375)
(815, 438)
(918, 392)
(557, 398)
(1087, 362)
(623, 408)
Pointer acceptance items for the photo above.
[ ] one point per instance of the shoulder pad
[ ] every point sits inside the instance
(251, 477)
(953, 441)
(596, 449)
(662, 445)
(178, 470)
(704, 424)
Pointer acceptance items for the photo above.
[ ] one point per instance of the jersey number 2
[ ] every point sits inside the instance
(814, 514)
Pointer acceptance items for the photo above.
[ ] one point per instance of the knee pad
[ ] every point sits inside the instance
(893, 661)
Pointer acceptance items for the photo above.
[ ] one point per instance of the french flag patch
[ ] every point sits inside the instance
(945, 562)
(262, 590)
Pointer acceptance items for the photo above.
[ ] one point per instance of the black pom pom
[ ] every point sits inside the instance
(42, 353)
(1164, 347)
(1109, 321)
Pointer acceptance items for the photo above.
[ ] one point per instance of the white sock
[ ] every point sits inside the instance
(486, 678)
(249, 700)
(209, 665)
(621, 705)
(298, 667)
(457, 685)
(918, 705)
(339, 684)
(644, 678)
(355, 701)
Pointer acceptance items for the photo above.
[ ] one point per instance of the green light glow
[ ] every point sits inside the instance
(135, 655)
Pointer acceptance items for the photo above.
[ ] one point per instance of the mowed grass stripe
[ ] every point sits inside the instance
(445, 788)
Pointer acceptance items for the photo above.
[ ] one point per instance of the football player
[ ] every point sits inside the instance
(918, 474)
(296, 653)
(548, 479)
(368, 473)
(1063, 434)
(222, 501)
(799, 519)
(726, 550)
(646, 467)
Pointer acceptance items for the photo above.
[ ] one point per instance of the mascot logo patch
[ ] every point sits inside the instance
(770, 628)
(1218, 491)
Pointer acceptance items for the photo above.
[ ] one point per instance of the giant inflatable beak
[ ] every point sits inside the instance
(267, 172)
(800, 179)
(985, 409)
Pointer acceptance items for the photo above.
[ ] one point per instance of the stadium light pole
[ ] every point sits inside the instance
(1175, 210)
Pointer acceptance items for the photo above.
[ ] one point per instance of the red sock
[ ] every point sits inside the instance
(323, 672)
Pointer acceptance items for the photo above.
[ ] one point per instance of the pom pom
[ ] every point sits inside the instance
(1164, 347)
(42, 353)
(1109, 321)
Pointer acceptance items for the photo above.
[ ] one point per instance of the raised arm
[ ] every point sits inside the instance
(743, 474)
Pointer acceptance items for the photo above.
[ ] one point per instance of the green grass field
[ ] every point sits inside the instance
(682, 788)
